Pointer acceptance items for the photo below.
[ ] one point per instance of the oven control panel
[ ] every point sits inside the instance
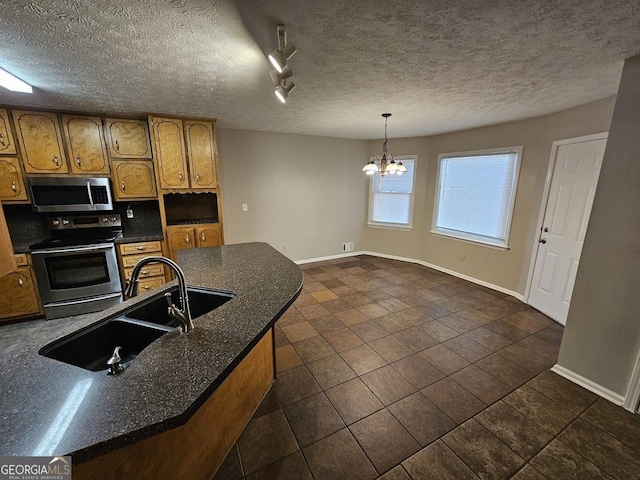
(72, 222)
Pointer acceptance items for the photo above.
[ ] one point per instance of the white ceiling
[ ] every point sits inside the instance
(437, 65)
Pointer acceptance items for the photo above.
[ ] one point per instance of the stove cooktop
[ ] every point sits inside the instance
(78, 238)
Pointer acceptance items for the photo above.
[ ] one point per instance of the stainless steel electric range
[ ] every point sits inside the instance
(77, 267)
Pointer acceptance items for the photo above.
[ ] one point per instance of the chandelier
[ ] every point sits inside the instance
(386, 163)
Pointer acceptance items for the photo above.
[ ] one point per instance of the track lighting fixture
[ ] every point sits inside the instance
(282, 74)
(284, 52)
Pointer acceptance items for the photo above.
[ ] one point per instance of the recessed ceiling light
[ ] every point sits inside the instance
(13, 83)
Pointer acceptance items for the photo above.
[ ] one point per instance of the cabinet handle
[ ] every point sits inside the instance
(181, 177)
(187, 238)
(122, 187)
(197, 177)
(20, 282)
(13, 187)
(78, 160)
(144, 272)
(55, 159)
(146, 287)
(202, 237)
(141, 247)
(117, 146)
(2, 140)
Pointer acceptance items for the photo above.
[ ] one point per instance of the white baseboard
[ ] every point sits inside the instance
(419, 262)
(330, 257)
(590, 385)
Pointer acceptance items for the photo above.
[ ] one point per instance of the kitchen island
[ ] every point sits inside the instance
(171, 391)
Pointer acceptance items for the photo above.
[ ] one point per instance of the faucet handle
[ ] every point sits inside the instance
(115, 362)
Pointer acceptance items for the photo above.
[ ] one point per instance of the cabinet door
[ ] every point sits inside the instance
(18, 294)
(202, 152)
(6, 137)
(208, 236)
(127, 138)
(41, 140)
(133, 179)
(172, 163)
(180, 238)
(85, 144)
(11, 181)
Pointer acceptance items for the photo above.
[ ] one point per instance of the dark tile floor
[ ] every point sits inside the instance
(394, 369)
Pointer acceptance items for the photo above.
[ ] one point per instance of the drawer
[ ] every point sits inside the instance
(151, 270)
(21, 259)
(146, 284)
(131, 260)
(133, 248)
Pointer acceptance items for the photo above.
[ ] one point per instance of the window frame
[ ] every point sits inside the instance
(412, 195)
(469, 237)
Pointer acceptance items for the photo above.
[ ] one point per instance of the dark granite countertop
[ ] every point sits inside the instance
(49, 407)
(141, 237)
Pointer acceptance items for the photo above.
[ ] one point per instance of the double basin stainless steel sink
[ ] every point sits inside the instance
(133, 329)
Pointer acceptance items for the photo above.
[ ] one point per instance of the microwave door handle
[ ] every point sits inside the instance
(89, 193)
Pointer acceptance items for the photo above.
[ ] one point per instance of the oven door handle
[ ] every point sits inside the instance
(86, 248)
(87, 300)
(89, 193)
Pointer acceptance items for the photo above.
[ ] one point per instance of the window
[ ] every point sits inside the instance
(475, 195)
(391, 197)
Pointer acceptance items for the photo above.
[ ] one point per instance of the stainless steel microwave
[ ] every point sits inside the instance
(70, 194)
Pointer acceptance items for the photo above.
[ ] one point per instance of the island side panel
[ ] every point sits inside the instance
(196, 449)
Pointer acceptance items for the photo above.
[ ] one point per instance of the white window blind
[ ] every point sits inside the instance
(391, 198)
(476, 195)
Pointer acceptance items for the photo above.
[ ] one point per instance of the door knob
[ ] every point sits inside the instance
(546, 229)
(542, 240)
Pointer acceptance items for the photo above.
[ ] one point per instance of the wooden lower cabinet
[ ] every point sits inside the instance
(19, 294)
(152, 275)
(182, 237)
(204, 440)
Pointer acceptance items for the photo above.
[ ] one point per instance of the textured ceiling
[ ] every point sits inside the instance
(438, 66)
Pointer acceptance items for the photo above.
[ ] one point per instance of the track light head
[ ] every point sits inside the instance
(283, 90)
(278, 78)
(279, 57)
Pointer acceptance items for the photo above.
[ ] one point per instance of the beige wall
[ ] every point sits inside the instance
(602, 336)
(507, 269)
(304, 192)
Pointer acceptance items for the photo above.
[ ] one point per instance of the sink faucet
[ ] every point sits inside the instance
(183, 314)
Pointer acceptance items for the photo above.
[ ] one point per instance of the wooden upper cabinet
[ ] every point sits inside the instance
(133, 179)
(127, 138)
(7, 144)
(170, 154)
(11, 181)
(85, 144)
(41, 140)
(202, 152)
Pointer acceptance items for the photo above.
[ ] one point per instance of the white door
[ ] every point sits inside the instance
(573, 186)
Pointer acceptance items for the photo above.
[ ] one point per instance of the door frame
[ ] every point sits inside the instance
(545, 197)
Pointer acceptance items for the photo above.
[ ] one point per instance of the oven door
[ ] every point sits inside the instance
(72, 273)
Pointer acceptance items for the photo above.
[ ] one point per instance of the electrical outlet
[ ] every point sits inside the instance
(245, 207)
(284, 248)
(129, 213)
(462, 257)
(347, 247)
